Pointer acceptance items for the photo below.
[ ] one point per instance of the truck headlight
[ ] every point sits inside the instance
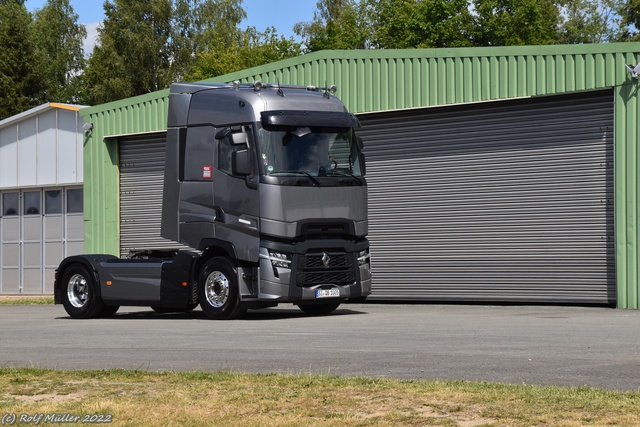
(364, 257)
(280, 260)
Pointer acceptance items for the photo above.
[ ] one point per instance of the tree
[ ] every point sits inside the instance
(254, 48)
(403, 24)
(336, 24)
(588, 21)
(630, 20)
(221, 47)
(134, 51)
(20, 80)
(201, 26)
(515, 22)
(58, 40)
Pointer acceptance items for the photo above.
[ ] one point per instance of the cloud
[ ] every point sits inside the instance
(92, 38)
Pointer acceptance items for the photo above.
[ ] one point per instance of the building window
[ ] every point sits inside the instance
(10, 204)
(53, 202)
(74, 200)
(31, 202)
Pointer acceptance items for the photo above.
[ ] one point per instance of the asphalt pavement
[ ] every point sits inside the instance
(569, 346)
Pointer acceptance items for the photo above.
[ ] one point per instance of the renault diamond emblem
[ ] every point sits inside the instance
(326, 259)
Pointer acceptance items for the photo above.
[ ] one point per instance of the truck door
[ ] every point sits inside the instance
(236, 194)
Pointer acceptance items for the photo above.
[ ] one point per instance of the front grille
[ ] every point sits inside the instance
(333, 261)
(336, 278)
(336, 268)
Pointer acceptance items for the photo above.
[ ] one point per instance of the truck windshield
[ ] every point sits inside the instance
(309, 151)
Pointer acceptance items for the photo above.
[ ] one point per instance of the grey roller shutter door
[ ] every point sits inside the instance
(141, 161)
(506, 201)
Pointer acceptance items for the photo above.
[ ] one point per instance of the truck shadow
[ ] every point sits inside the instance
(252, 315)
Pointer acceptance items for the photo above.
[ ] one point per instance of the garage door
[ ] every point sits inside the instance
(141, 162)
(504, 201)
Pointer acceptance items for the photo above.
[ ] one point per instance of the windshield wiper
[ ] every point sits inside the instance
(313, 180)
(343, 173)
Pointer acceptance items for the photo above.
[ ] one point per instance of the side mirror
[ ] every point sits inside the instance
(241, 163)
(222, 133)
(239, 138)
(359, 143)
(362, 164)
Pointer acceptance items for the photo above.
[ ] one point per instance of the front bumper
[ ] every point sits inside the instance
(319, 264)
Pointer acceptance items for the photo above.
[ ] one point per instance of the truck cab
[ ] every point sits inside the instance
(265, 184)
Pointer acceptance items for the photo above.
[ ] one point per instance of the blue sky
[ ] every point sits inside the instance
(281, 14)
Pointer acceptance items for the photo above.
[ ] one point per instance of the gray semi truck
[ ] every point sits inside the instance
(264, 186)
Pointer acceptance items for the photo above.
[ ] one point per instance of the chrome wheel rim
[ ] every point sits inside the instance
(77, 290)
(216, 289)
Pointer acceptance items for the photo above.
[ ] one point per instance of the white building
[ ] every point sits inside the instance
(41, 196)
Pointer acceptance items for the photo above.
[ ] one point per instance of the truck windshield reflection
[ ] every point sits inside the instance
(309, 151)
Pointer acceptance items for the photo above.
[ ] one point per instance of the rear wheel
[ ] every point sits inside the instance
(218, 291)
(79, 293)
(319, 309)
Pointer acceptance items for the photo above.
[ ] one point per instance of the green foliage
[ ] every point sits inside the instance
(58, 41)
(221, 47)
(515, 22)
(630, 12)
(337, 24)
(144, 46)
(134, 53)
(20, 75)
(250, 49)
(201, 27)
(403, 24)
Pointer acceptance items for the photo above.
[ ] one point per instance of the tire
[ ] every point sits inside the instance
(218, 291)
(79, 293)
(319, 309)
(163, 310)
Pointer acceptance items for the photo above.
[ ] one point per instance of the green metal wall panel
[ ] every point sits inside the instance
(380, 80)
(627, 179)
(141, 114)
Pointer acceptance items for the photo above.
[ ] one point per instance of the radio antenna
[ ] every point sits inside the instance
(280, 91)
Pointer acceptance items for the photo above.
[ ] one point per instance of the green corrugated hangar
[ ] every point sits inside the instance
(506, 174)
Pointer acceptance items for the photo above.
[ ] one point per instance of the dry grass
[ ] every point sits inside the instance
(26, 299)
(140, 398)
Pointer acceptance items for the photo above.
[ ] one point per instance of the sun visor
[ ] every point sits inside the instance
(309, 119)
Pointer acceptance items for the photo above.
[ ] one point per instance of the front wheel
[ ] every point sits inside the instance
(319, 309)
(218, 291)
(79, 293)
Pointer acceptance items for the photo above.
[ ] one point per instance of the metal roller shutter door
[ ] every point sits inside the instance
(141, 161)
(506, 201)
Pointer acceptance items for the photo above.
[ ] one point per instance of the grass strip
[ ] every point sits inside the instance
(25, 300)
(143, 398)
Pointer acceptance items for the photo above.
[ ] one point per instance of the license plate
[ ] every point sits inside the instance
(327, 293)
